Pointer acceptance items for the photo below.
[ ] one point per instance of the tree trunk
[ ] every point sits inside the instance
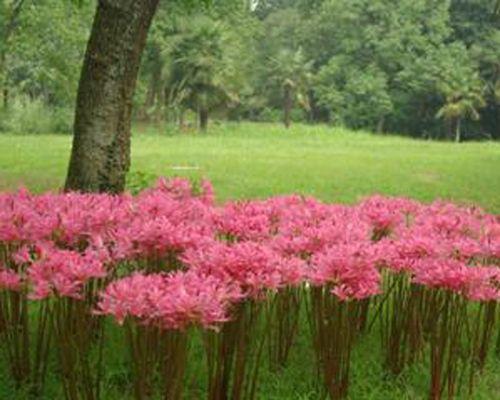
(457, 130)
(154, 92)
(3, 75)
(100, 157)
(449, 129)
(287, 104)
(496, 10)
(203, 115)
(148, 102)
(381, 124)
(5, 98)
(182, 121)
(312, 106)
(159, 108)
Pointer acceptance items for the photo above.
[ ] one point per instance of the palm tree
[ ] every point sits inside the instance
(462, 101)
(293, 73)
(200, 74)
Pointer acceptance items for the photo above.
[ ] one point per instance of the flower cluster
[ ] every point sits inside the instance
(348, 269)
(173, 237)
(63, 272)
(254, 267)
(9, 280)
(171, 301)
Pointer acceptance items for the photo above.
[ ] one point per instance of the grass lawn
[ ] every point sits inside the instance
(259, 160)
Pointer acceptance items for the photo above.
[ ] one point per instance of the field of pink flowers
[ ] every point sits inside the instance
(169, 263)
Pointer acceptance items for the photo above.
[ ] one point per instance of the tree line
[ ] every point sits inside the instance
(426, 68)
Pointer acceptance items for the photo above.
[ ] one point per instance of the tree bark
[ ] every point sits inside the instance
(203, 117)
(100, 156)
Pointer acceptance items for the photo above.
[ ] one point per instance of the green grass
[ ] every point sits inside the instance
(259, 160)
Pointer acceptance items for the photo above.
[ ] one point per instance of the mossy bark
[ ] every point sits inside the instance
(100, 156)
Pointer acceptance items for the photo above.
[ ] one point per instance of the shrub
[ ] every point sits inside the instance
(27, 116)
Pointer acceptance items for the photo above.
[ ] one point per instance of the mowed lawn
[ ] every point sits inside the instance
(258, 160)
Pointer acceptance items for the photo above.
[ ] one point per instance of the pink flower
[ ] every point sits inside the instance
(173, 301)
(484, 283)
(253, 266)
(56, 244)
(348, 269)
(9, 280)
(63, 272)
(130, 297)
(245, 221)
(387, 214)
(449, 274)
(22, 256)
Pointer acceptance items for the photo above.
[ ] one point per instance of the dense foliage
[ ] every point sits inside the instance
(423, 67)
(170, 262)
(41, 53)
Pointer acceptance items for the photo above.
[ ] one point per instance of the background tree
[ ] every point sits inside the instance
(193, 61)
(283, 73)
(291, 71)
(358, 98)
(198, 69)
(463, 93)
(43, 58)
(10, 11)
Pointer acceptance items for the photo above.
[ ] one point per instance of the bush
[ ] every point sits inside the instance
(28, 116)
(276, 115)
(298, 115)
(271, 115)
(62, 120)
